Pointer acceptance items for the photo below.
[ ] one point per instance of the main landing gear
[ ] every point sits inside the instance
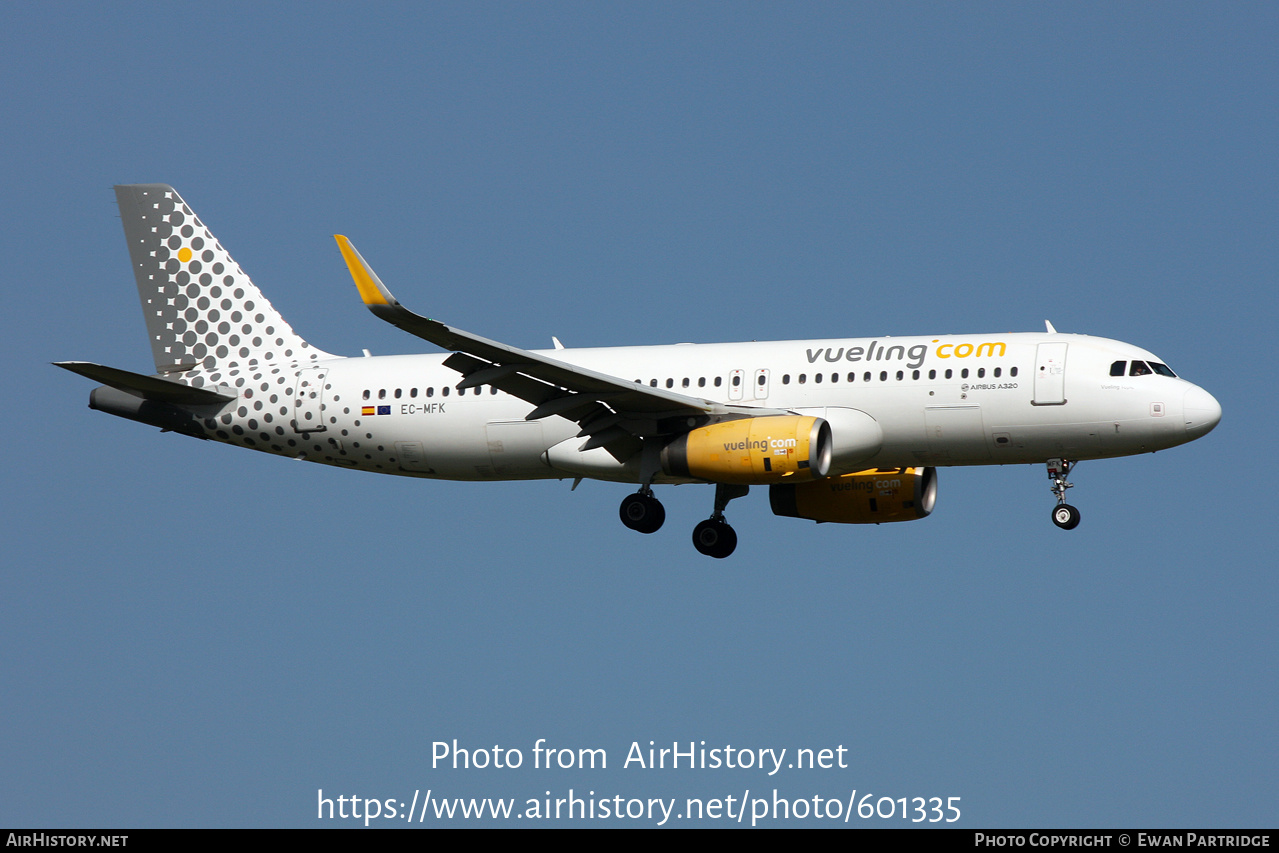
(712, 537)
(1065, 516)
(643, 512)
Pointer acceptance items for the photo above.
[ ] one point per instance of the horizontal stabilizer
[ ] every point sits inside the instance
(146, 387)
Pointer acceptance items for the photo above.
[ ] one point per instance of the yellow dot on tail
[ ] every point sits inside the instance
(184, 254)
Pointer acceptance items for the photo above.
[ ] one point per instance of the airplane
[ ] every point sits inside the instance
(847, 430)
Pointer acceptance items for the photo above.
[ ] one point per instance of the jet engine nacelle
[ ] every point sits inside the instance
(752, 451)
(866, 497)
(855, 437)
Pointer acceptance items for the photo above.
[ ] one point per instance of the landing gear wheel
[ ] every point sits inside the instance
(642, 512)
(714, 538)
(1066, 517)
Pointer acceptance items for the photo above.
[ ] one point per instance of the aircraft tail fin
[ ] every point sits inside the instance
(201, 310)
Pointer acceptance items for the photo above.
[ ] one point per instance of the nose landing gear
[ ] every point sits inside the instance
(1065, 516)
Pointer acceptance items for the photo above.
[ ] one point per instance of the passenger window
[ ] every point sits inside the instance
(1012, 372)
(737, 380)
(981, 373)
(883, 376)
(949, 373)
(430, 391)
(914, 374)
(398, 392)
(866, 376)
(366, 393)
(932, 374)
(803, 377)
(685, 383)
(998, 370)
(719, 380)
(817, 377)
(1117, 369)
(701, 382)
(852, 377)
(762, 378)
(413, 392)
(652, 382)
(785, 378)
(963, 374)
(381, 394)
(444, 392)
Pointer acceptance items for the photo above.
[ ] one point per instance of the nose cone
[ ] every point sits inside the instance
(1202, 410)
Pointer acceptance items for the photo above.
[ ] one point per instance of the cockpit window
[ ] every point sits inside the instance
(1139, 368)
(1163, 369)
(1117, 369)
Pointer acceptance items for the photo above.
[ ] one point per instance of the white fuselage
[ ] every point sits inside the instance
(945, 400)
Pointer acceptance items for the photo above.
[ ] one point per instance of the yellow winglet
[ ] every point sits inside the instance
(372, 291)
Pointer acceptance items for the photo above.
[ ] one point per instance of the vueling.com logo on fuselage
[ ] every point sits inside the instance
(900, 352)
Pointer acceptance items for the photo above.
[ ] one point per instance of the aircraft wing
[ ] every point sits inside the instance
(612, 411)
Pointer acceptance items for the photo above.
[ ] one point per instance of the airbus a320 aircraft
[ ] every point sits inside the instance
(840, 430)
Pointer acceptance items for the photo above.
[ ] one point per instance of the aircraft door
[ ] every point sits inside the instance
(1050, 375)
(735, 381)
(761, 384)
(308, 400)
(516, 447)
(413, 457)
(956, 434)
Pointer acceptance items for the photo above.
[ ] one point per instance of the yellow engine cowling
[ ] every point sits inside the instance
(866, 497)
(752, 451)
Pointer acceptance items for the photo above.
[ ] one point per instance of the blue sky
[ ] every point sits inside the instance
(194, 635)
